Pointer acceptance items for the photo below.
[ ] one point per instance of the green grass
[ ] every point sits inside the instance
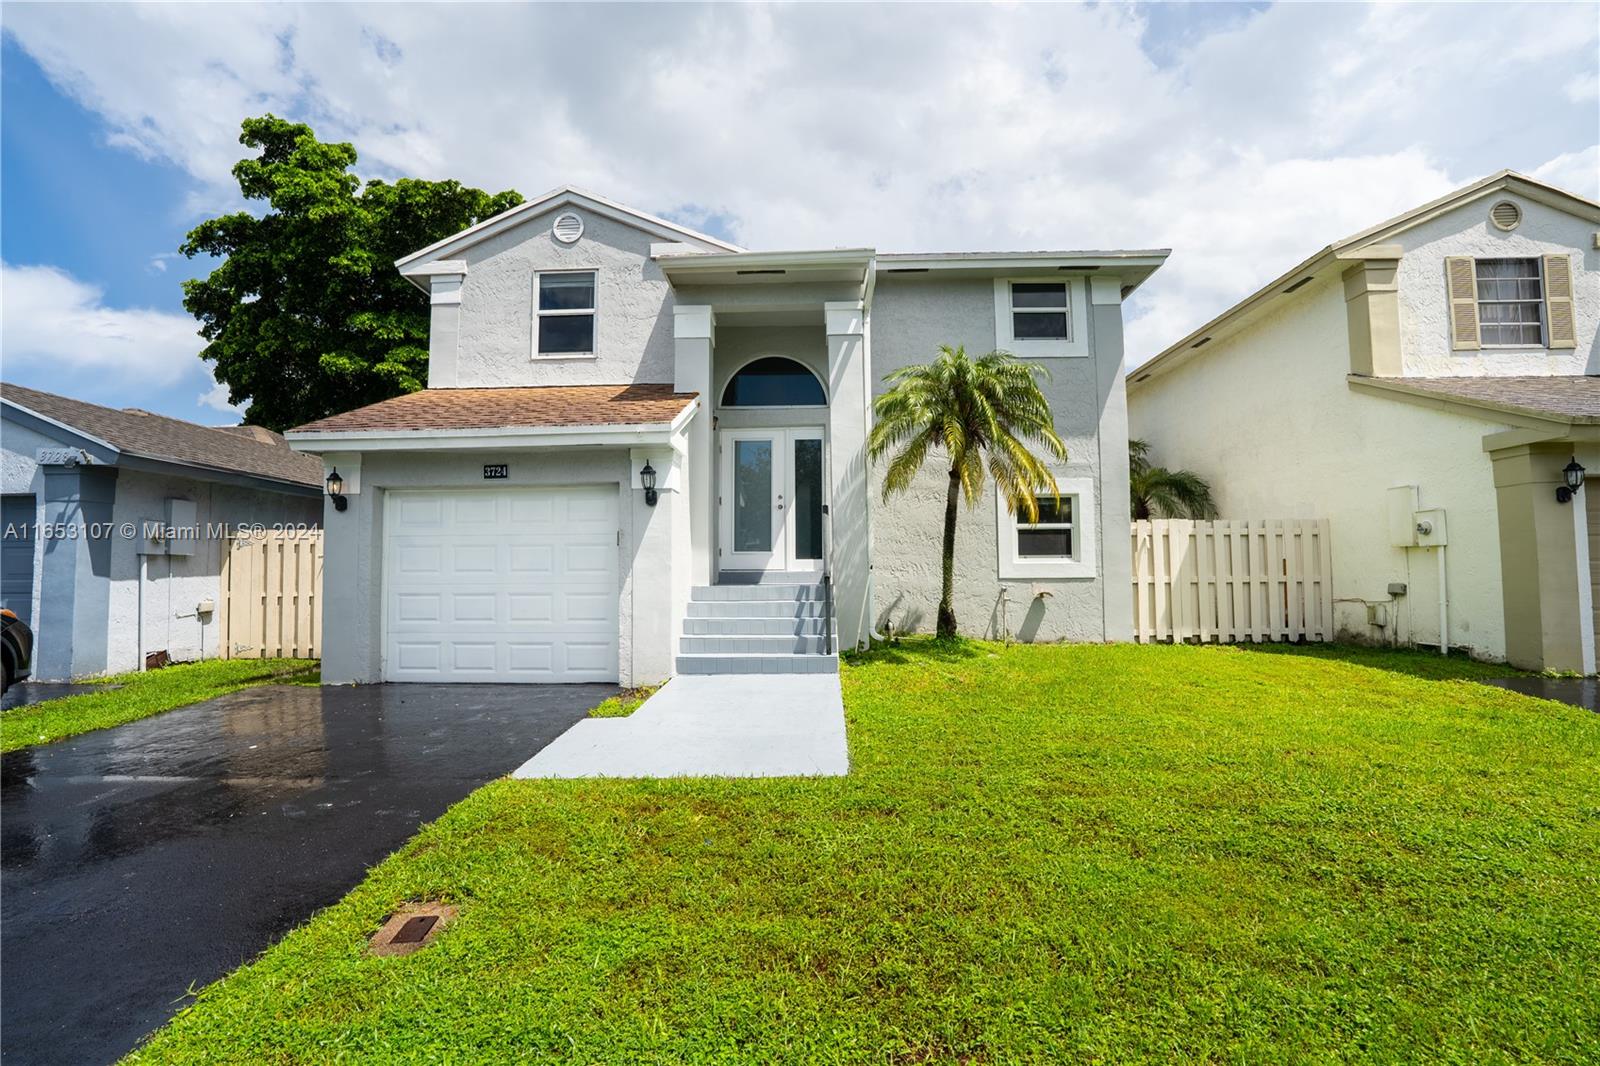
(1042, 854)
(623, 703)
(142, 695)
(1425, 664)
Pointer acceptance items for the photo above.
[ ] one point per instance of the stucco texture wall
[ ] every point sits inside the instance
(19, 475)
(633, 322)
(1424, 304)
(174, 585)
(353, 567)
(911, 317)
(1267, 417)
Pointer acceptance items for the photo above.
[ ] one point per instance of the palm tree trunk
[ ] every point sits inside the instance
(947, 610)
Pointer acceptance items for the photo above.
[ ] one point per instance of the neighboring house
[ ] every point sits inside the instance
(85, 484)
(1438, 362)
(497, 527)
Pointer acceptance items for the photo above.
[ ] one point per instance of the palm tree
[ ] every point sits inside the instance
(1167, 493)
(981, 414)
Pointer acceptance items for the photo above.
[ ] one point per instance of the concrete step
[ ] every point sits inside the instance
(787, 645)
(755, 593)
(801, 626)
(758, 664)
(755, 609)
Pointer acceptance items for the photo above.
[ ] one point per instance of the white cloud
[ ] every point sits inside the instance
(1578, 171)
(51, 320)
(1254, 141)
(216, 398)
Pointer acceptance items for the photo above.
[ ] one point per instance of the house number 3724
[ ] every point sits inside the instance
(494, 471)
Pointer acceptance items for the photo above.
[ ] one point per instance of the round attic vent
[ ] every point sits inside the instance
(1505, 215)
(568, 228)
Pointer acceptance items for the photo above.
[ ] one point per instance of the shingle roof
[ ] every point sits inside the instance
(530, 408)
(234, 449)
(1570, 398)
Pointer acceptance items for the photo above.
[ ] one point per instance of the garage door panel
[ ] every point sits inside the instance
(503, 584)
(421, 512)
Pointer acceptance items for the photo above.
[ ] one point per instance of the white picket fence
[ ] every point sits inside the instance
(1232, 581)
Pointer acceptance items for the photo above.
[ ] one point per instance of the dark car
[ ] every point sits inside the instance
(16, 646)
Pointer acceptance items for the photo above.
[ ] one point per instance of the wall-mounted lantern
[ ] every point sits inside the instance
(1572, 474)
(647, 481)
(336, 490)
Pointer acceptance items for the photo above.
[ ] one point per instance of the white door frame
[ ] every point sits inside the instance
(780, 558)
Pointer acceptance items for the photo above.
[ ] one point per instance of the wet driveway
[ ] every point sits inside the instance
(1579, 691)
(144, 860)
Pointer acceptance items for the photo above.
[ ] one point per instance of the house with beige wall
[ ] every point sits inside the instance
(642, 451)
(1425, 385)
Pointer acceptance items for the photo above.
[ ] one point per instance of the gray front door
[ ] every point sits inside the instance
(17, 521)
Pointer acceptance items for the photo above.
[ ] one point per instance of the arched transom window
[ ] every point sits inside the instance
(774, 382)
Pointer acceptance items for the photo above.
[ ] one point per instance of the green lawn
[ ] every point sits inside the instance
(1042, 854)
(141, 695)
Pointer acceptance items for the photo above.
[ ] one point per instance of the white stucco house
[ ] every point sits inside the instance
(502, 525)
(83, 487)
(1424, 384)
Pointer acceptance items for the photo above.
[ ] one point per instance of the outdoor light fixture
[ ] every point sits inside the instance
(336, 490)
(1572, 474)
(647, 481)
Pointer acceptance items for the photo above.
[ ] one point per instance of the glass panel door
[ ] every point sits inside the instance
(752, 495)
(805, 466)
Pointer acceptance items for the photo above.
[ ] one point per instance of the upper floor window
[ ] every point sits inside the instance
(1510, 302)
(1039, 311)
(565, 320)
(774, 382)
(1040, 317)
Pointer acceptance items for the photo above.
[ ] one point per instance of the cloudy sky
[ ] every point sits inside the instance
(1243, 136)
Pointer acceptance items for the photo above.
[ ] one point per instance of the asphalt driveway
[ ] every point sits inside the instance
(144, 861)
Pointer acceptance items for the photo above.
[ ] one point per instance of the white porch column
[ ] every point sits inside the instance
(693, 332)
(849, 406)
(445, 278)
(1116, 548)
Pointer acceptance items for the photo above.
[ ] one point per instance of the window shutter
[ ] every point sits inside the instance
(1463, 278)
(1558, 302)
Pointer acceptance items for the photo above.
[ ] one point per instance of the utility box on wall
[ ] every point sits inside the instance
(1403, 501)
(1431, 529)
(176, 532)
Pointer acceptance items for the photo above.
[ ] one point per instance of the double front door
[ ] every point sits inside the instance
(771, 499)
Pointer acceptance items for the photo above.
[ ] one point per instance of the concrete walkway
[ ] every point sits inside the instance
(711, 726)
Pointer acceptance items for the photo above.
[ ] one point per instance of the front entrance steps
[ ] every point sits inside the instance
(764, 628)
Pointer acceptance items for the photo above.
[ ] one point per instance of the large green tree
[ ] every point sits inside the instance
(306, 315)
(982, 415)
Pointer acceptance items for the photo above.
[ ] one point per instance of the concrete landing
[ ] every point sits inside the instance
(718, 726)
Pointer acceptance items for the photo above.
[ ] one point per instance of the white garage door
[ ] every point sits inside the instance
(501, 585)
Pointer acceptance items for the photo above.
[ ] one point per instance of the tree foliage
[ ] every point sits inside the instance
(982, 415)
(1161, 493)
(306, 315)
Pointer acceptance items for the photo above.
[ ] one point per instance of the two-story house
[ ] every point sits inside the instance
(1428, 386)
(642, 451)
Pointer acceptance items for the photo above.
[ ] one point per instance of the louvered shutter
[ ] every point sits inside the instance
(1558, 302)
(1463, 284)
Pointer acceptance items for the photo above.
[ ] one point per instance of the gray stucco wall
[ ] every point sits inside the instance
(911, 317)
(353, 560)
(495, 330)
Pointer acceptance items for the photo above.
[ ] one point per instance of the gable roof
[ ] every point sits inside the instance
(1359, 246)
(128, 431)
(565, 196)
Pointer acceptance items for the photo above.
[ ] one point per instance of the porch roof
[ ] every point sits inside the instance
(1568, 398)
(549, 409)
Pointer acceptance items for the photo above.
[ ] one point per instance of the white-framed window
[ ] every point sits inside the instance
(1510, 303)
(1040, 317)
(565, 310)
(1060, 544)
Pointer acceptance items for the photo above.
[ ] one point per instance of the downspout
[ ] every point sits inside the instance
(866, 391)
(1444, 608)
